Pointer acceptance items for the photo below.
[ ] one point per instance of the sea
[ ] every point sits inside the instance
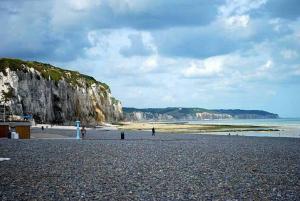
(282, 122)
(288, 127)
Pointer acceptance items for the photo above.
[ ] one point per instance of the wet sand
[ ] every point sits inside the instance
(193, 128)
(214, 129)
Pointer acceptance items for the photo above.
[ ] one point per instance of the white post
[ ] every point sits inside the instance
(78, 130)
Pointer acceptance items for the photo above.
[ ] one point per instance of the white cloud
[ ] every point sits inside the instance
(267, 66)
(297, 71)
(203, 68)
(289, 54)
(105, 46)
(277, 24)
(127, 5)
(80, 5)
(239, 7)
(107, 43)
(262, 71)
(141, 44)
(238, 21)
(271, 92)
(149, 64)
(168, 98)
(111, 41)
(63, 15)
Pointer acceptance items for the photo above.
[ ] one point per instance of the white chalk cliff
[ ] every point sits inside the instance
(55, 95)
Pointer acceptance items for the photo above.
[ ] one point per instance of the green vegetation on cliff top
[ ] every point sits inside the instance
(49, 71)
(179, 112)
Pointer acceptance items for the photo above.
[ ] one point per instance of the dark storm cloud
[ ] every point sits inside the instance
(26, 33)
(215, 39)
(44, 29)
(163, 14)
(56, 30)
(289, 9)
(197, 43)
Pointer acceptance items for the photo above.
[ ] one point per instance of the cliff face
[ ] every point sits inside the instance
(54, 95)
(146, 116)
(192, 114)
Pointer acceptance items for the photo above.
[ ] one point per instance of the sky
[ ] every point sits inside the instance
(163, 53)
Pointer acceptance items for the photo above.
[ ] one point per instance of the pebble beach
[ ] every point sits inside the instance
(145, 167)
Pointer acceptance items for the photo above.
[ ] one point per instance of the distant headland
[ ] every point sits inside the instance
(191, 114)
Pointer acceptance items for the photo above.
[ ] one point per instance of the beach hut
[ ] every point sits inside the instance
(4, 129)
(22, 128)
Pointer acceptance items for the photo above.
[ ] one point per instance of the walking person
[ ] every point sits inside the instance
(153, 131)
(83, 131)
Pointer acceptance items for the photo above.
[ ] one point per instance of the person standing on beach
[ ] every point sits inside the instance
(83, 131)
(153, 131)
